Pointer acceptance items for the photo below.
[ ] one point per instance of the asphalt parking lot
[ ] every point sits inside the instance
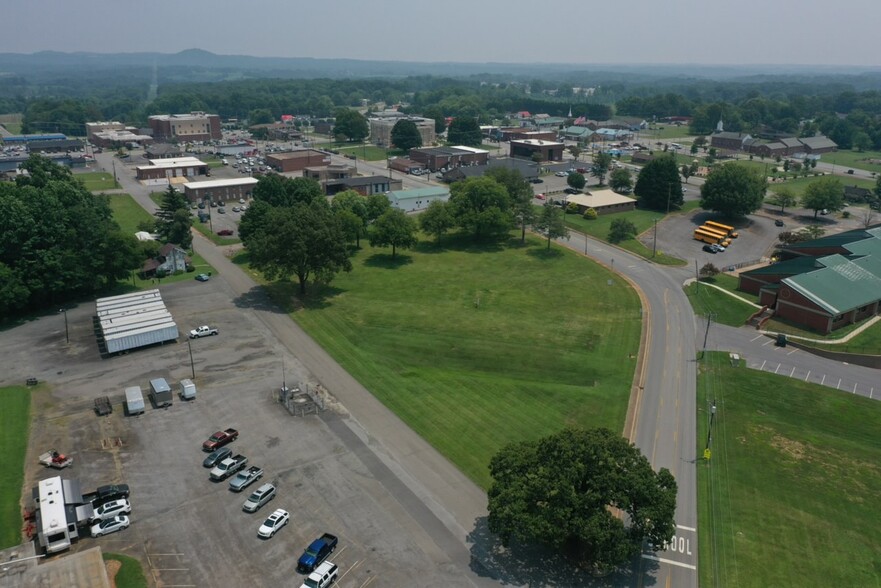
(187, 530)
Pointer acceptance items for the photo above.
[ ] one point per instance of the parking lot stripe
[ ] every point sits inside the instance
(766, 342)
(791, 352)
(823, 380)
(838, 387)
(778, 368)
(761, 369)
(854, 388)
(756, 337)
(792, 372)
(808, 376)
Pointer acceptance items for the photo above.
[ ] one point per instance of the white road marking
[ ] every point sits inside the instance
(792, 372)
(669, 561)
(823, 380)
(791, 352)
(761, 369)
(766, 342)
(778, 368)
(854, 388)
(838, 387)
(684, 528)
(808, 376)
(756, 337)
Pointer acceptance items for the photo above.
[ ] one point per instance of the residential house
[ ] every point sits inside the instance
(171, 259)
(419, 199)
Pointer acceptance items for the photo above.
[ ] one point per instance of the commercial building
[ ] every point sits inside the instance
(163, 151)
(334, 171)
(405, 165)
(437, 158)
(55, 146)
(381, 129)
(170, 171)
(602, 201)
(298, 160)
(195, 126)
(25, 139)
(230, 190)
(548, 150)
(528, 169)
(120, 138)
(364, 185)
(413, 200)
(823, 284)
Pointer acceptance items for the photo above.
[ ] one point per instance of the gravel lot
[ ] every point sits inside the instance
(187, 530)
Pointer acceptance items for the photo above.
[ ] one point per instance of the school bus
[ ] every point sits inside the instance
(723, 237)
(706, 236)
(727, 229)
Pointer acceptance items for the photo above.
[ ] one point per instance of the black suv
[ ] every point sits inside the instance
(709, 249)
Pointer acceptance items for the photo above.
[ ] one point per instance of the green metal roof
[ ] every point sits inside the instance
(839, 240)
(419, 193)
(796, 265)
(842, 285)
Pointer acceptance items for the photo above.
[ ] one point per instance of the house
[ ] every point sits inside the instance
(413, 200)
(171, 259)
(577, 133)
(822, 284)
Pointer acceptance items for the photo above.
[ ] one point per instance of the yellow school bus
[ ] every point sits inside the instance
(727, 229)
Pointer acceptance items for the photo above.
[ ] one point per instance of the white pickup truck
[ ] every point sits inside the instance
(245, 478)
(203, 331)
(228, 467)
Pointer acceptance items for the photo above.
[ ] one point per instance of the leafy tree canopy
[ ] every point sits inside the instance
(481, 206)
(520, 195)
(733, 190)
(658, 186)
(278, 190)
(621, 229)
(351, 125)
(394, 229)
(824, 193)
(550, 223)
(602, 161)
(464, 130)
(405, 135)
(560, 491)
(436, 220)
(621, 181)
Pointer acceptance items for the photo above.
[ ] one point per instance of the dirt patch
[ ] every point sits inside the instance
(794, 449)
(113, 567)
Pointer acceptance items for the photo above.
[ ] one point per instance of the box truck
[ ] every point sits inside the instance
(134, 400)
(160, 392)
(187, 390)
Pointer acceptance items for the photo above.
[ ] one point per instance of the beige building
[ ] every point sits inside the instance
(195, 126)
(381, 129)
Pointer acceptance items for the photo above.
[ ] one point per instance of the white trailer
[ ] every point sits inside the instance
(150, 335)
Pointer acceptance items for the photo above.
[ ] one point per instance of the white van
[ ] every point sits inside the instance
(134, 400)
(187, 390)
(259, 497)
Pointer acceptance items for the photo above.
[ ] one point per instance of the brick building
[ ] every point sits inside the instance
(195, 126)
(381, 129)
(334, 171)
(165, 171)
(364, 185)
(823, 284)
(220, 190)
(436, 158)
(549, 150)
(294, 161)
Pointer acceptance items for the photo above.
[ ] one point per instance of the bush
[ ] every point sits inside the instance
(589, 214)
(845, 214)
(571, 208)
(621, 230)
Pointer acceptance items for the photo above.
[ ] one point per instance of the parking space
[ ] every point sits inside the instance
(186, 529)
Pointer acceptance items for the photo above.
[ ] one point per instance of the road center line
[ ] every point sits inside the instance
(669, 561)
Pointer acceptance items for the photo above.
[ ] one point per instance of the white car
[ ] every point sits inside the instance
(561, 174)
(273, 523)
(111, 509)
(110, 526)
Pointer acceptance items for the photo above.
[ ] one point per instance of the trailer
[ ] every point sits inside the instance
(103, 406)
(53, 459)
(126, 340)
(134, 400)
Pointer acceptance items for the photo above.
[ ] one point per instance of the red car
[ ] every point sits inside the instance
(540, 196)
(219, 439)
(225, 232)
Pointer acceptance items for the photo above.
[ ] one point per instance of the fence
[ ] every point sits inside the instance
(303, 399)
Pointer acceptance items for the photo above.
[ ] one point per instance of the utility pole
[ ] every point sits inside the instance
(655, 240)
(66, 330)
(192, 364)
(707, 450)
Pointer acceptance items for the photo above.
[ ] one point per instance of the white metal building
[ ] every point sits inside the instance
(134, 320)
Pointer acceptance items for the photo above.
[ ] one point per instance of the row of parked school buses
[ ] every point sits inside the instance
(715, 233)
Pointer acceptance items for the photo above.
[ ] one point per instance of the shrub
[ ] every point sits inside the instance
(571, 208)
(589, 214)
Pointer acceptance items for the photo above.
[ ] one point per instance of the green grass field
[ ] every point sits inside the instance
(798, 186)
(97, 181)
(367, 152)
(664, 132)
(13, 127)
(643, 219)
(790, 494)
(205, 229)
(729, 283)
(127, 212)
(15, 402)
(131, 574)
(476, 347)
(727, 309)
(854, 159)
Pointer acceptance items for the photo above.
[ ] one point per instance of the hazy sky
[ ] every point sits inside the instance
(524, 31)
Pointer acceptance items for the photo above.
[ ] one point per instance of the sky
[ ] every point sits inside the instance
(842, 32)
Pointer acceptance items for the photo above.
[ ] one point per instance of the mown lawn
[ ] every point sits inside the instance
(726, 309)
(127, 213)
(97, 181)
(131, 574)
(14, 423)
(729, 283)
(479, 346)
(642, 219)
(798, 186)
(367, 152)
(854, 159)
(790, 494)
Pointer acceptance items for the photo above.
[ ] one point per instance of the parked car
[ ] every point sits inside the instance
(216, 456)
(245, 478)
(709, 249)
(316, 553)
(561, 174)
(110, 526)
(106, 494)
(225, 232)
(219, 439)
(778, 223)
(718, 248)
(236, 209)
(203, 331)
(536, 181)
(221, 210)
(241, 200)
(273, 523)
(259, 497)
(572, 191)
(540, 196)
(323, 576)
(824, 211)
(111, 509)
(203, 278)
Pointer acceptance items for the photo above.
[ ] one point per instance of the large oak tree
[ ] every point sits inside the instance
(562, 491)
(733, 190)
(658, 186)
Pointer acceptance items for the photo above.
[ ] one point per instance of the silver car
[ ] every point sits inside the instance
(259, 497)
(111, 509)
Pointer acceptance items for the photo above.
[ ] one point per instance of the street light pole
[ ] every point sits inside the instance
(655, 240)
(66, 330)
(192, 365)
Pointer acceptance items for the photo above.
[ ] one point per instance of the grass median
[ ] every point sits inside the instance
(130, 574)
(478, 346)
(97, 181)
(14, 423)
(789, 496)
